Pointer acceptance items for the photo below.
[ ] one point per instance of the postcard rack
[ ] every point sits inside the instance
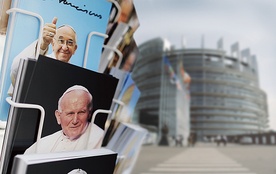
(5, 61)
(117, 104)
(105, 62)
(31, 106)
(115, 15)
(13, 12)
(42, 113)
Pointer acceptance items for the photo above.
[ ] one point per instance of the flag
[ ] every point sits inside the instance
(170, 70)
(186, 79)
(185, 76)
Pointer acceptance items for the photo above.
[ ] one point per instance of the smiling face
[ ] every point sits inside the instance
(74, 113)
(64, 43)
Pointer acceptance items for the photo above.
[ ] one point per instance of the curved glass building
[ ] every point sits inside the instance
(225, 95)
(164, 100)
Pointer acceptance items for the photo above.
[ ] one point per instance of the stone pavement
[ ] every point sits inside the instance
(207, 158)
(200, 160)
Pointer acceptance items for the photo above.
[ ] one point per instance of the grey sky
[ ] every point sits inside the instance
(249, 22)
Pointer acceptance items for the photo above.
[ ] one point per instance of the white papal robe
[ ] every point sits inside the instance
(58, 142)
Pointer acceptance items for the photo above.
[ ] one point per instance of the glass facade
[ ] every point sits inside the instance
(225, 94)
(162, 102)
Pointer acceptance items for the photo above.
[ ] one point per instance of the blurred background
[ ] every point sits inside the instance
(211, 38)
(227, 51)
(204, 75)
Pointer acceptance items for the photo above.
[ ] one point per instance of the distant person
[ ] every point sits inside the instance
(221, 139)
(73, 115)
(179, 140)
(224, 140)
(191, 140)
(218, 139)
(64, 44)
(164, 136)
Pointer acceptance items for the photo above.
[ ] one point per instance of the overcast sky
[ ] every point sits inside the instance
(249, 22)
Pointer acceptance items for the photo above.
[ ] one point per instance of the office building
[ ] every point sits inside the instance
(225, 95)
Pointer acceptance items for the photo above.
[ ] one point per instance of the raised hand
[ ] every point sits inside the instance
(49, 31)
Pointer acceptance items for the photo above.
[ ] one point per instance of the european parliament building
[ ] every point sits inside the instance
(225, 97)
(164, 101)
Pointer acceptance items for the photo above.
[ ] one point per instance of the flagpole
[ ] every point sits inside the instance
(161, 99)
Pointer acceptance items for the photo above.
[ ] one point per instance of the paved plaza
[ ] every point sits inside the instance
(207, 159)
